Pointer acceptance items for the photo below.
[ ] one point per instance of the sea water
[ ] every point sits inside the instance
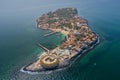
(19, 35)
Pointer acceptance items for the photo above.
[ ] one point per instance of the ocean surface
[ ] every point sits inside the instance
(19, 35)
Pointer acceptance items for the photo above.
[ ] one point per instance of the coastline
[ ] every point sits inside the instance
(69, 63)
(79, 39)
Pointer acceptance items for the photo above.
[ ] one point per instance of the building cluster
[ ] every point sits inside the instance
(79, 36)
(48, 22)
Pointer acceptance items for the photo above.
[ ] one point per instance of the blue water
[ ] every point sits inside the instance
(18, 37)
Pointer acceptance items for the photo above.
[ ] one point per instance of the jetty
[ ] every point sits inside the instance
(49, 34)
(47, 50)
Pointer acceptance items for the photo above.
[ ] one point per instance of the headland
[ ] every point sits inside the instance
(79, 39)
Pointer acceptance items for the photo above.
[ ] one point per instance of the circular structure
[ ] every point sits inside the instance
(49, 61)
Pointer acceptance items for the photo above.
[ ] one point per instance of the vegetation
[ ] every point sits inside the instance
(51, 21)
(67, 25)
(79, 38)
(66, 12)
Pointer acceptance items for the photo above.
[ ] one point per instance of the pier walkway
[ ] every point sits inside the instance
(43, 47)
(49, 34)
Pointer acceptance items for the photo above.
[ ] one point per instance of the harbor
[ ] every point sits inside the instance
(30, 68)
(79, 40)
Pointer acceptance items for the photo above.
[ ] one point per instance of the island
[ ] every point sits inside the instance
(79, 40)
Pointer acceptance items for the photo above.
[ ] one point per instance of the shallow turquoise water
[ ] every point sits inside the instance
(18, 37)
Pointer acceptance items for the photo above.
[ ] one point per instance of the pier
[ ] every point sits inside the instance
(47, 50)
(49, 34)
(43, 47)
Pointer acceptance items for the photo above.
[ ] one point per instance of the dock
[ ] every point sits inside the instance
(43, 47)
(49, 34)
